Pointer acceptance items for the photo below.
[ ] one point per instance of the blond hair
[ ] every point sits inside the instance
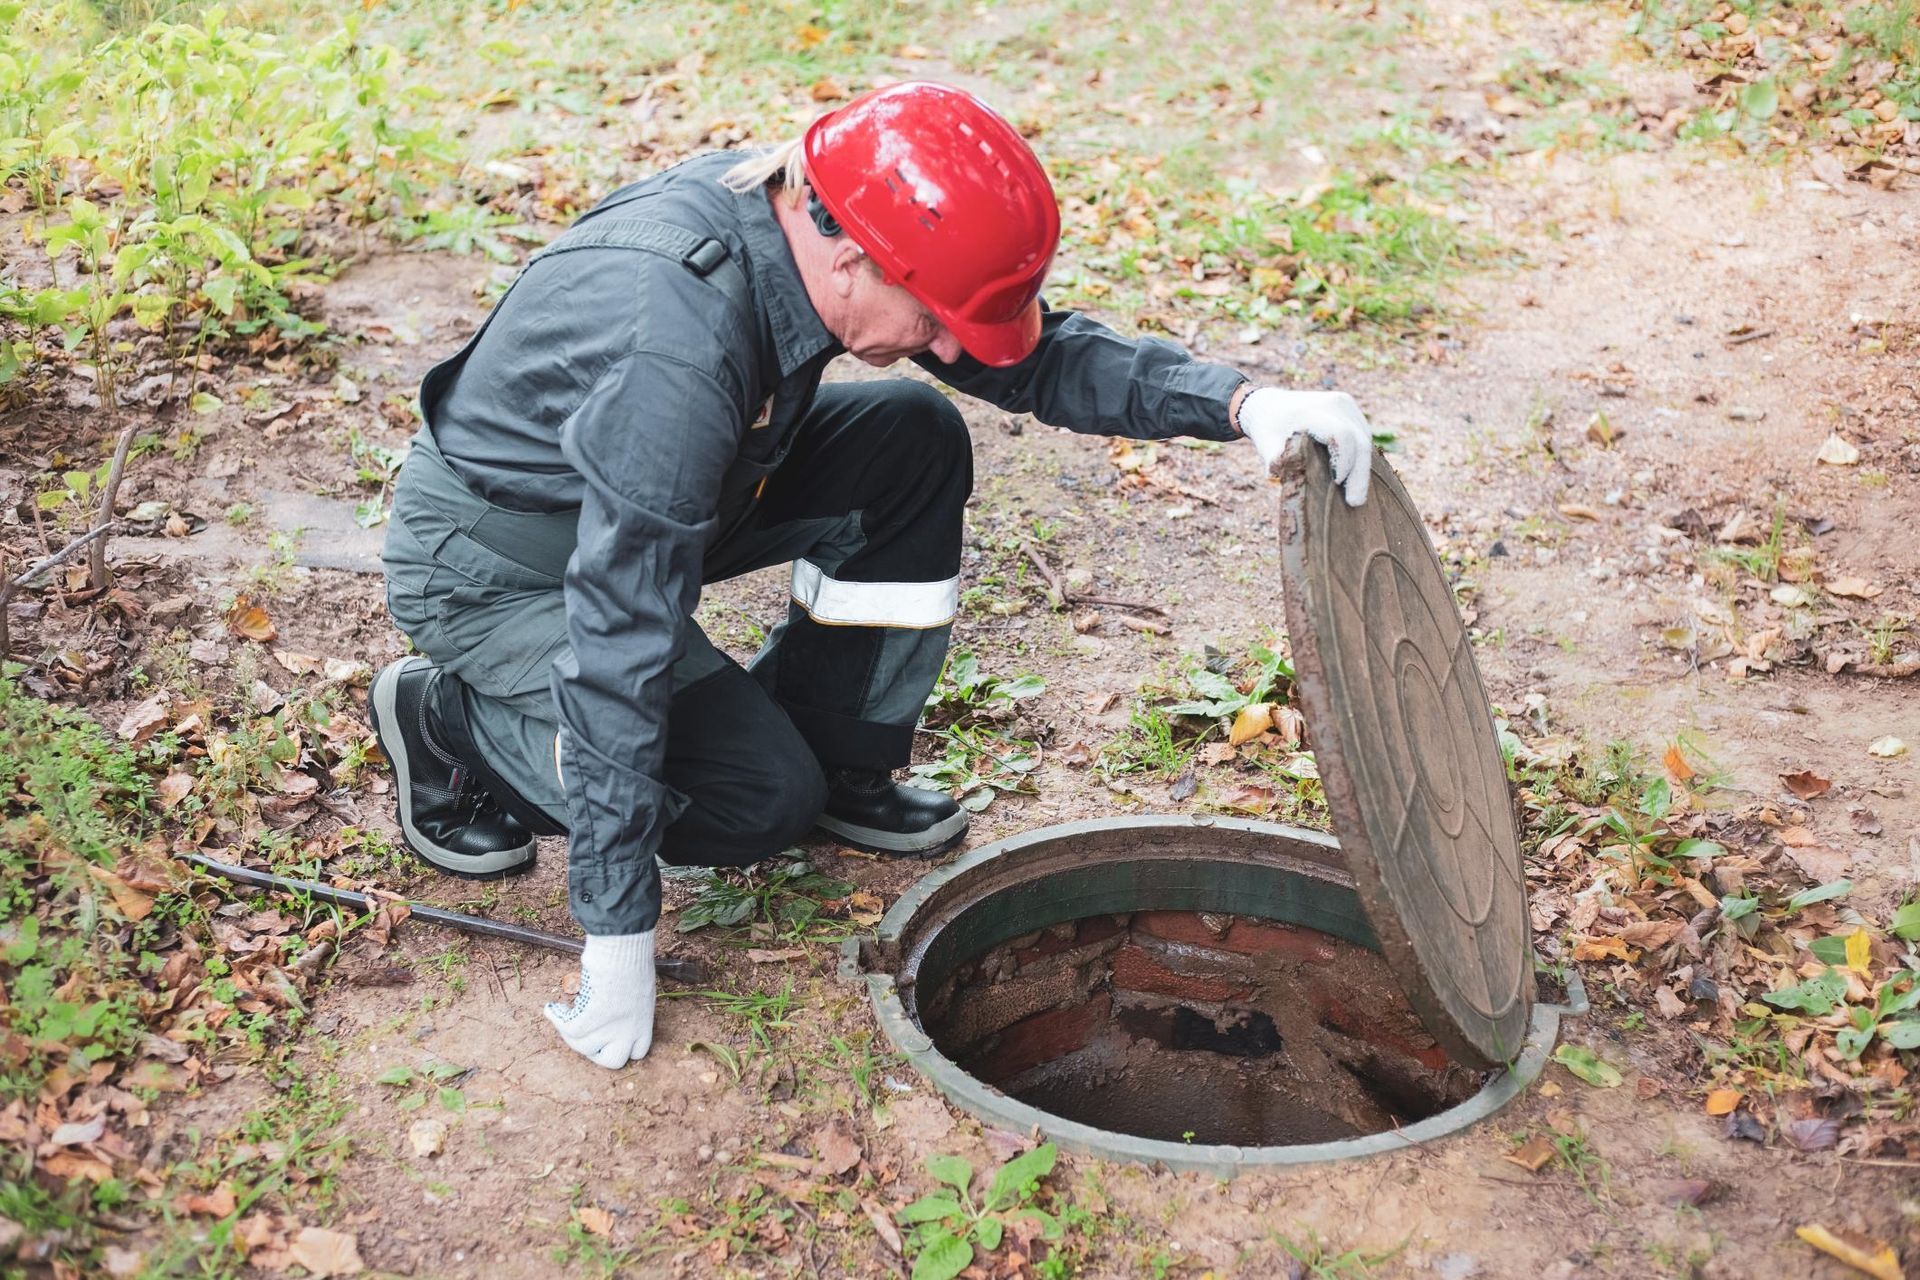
(783, 166)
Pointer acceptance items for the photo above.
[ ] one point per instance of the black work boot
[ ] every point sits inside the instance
(447, 816)
(869, 810)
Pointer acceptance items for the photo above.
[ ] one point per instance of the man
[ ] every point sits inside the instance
(641, 414)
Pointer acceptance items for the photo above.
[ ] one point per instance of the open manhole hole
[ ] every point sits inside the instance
(1203, 994)
(1213, 993)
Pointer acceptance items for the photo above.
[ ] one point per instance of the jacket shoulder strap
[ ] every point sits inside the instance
(704, 256)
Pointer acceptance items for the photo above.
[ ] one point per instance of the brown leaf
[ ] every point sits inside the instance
(327, 1253)
(596, 1220)
(827, 89)
(1217, 753)
(1853, 588)
(1576, 511)
(299, 664)
(1722, 1101)
(133, 904)
(837, 1148)
(1865, 821)
(1690, 1192)
(1534, 1155)
(1651, 934)
(249, 621)
(217, 1203)
(882, 1225)
(1820, 864)
(759, 955)
(173, 788)
(1602, 949)
(144, 720)
(1806, 784)
(1677, 767)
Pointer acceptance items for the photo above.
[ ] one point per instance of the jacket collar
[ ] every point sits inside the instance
(798, 335)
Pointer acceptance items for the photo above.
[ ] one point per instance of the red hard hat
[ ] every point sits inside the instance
(952, 204)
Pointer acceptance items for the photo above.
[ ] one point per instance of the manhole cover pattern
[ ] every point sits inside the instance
(1407, 754)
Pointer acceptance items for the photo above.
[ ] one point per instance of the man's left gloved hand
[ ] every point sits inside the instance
(1270, 417)
(611, 1018)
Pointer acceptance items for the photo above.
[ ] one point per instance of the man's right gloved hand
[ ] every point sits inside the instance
(611, 1019)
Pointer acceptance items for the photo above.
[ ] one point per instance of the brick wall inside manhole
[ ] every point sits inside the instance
(1187, 1026)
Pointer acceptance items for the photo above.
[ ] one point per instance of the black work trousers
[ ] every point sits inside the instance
(867, 505)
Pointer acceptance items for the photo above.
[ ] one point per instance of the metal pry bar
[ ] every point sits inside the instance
(671, 968)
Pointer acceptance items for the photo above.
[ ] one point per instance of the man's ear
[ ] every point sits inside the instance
(845, 267)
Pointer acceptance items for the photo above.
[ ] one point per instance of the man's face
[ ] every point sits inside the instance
(885, 323)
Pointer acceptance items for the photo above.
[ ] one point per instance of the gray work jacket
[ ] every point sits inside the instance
(653, 400)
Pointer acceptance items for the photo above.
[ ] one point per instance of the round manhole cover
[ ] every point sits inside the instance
(1406, 749)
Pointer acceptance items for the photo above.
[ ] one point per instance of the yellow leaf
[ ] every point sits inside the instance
(1254, 719)
(1882, 1263)
(1721, 1102)
(1859, 951)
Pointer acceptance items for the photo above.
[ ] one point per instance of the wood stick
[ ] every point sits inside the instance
(1056, 590)
(1105, 602)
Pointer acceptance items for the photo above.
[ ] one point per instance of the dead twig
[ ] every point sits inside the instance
(1755, 336)
(1056, 590)
(1152, 626)
(10, 585)
(1105, 602)
(1059, 597)
(97, 560)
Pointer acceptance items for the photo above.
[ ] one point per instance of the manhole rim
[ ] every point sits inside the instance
(990, 1106)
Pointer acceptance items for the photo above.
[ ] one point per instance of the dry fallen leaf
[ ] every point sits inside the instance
(144, 720)
(173, 788)
(1853, 588)
(1677, 767)
(327, 1254)
(1601, 949)
(427, 1137)
(217, 1203)
(1575, 511)
(1721, 1102)
(1875, 1259)
(1254, 719)
(1534, 1155)
(249, 621)
(1837, 452)
(596, 1220)
(760, 956)
(838, 1150)
(1806, 784)
(1887, 748)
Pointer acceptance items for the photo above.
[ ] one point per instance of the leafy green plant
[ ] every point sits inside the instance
(965, 691)
(789, 896)
(439, 1080)
(1218, 696)
(948, 1225)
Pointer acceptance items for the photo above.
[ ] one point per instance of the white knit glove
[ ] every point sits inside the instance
(1270, 417)
(611, 1019)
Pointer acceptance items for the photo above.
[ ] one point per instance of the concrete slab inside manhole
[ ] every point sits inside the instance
(1189, 992)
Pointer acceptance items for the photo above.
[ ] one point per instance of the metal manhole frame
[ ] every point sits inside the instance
(992, 1107)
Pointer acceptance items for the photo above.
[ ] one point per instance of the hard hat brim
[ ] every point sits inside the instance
(1003, 342)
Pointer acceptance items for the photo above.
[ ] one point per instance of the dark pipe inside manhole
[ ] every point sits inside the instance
(1187, 1026)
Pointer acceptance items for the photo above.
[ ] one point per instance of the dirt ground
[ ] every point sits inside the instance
(1726, 317)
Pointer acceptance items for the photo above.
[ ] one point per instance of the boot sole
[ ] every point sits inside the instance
(930, 843)
(381, 712)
